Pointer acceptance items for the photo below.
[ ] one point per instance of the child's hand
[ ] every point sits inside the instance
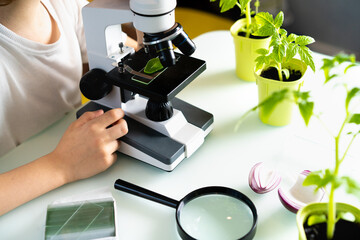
(89, 144)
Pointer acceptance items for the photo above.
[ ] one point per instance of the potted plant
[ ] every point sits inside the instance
(325, 218)
(277, 68)
(245, 40)
(331, 220)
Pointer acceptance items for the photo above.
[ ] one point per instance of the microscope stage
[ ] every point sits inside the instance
(166, 85)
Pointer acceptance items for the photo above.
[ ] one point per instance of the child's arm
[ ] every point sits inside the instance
(88, 147)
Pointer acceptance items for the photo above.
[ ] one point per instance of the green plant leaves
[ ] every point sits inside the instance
(290, 52)
(264, 18)
(355, 118)
(305, 55)
(283, 48)
(306, 106)
(286, 72)
(306, 111)
(153, 65)
(350, 95)
(267, 24)
(245, 7)
(316, 218)
(329, 64)
(325, 177)
(226, 5)
(270, 103)
(262, 51)
(293, 45)
(264, 31)
(279, 19)
(263, 59)
(302, 99)
(351, 186)
(304, 52)
(321, 179)
(349, 66)
(343, 57)
(314, 178)
(292, 37)
(348, 216)
(304, 40)
(278, 53)
(243, 4)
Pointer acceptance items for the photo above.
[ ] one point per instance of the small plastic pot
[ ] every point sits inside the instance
(321, 208)
(282, 113)
(245, 51)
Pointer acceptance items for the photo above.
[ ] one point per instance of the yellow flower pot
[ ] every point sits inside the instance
(321, 208)
(245, 51)
(282, 113)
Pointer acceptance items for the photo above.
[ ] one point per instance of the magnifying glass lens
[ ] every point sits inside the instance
(216, 216)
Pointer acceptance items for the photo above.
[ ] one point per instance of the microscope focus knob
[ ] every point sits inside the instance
(93, 84)
(158, 111)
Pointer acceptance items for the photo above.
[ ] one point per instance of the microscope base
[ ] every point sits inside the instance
(151, 146)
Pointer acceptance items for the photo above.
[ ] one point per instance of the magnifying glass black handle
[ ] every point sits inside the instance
(144, 193)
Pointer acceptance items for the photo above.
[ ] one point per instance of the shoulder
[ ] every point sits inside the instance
(69, 4)
(8, 55)
(71, 7)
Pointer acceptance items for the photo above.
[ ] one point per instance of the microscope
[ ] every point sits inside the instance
(163, 129)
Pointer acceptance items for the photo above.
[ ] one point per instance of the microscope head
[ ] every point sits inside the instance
(156, 19)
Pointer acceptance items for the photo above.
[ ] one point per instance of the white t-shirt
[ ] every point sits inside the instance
(39, 83)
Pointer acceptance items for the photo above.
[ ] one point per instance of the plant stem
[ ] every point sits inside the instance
(325, 126)
(348, 147)
(248, 19)
(243, 117)
(332, 205)
(279, 69)
(331, 221)
(331, 214)
(257, 4)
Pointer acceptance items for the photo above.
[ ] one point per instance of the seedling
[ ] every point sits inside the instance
(330, 177)
(245, 8)
(282, 47)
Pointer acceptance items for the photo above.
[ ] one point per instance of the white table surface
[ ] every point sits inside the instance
(224, 159)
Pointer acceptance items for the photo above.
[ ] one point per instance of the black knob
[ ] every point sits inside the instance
(93, 84)
(158, 111)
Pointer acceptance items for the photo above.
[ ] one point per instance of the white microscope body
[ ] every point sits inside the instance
(161, 142)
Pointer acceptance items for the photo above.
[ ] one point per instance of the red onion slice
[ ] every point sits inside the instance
(296, 196)
(262, 179)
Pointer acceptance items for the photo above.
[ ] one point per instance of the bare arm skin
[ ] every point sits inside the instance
(88, 141)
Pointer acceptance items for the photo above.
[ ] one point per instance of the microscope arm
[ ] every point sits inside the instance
(100, 16)
(97, 17)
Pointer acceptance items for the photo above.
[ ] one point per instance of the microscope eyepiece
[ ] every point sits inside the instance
(160, 44)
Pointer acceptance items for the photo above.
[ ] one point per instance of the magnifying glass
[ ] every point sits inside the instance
(207, 213)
